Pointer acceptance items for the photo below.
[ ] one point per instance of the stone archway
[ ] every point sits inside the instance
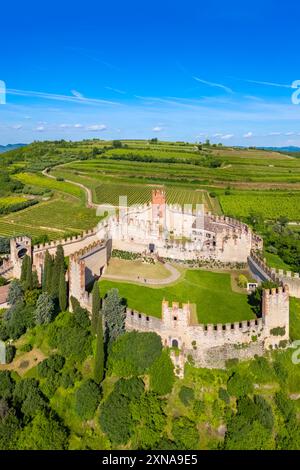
(174, 343)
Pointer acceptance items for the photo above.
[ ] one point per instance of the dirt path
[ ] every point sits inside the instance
(89, 196)
(174, 276)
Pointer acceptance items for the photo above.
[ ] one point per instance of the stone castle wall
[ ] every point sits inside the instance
(263, 272)
(207, 344)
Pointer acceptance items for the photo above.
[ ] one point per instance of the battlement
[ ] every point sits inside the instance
(139, 319)
(78, 255)
(65, 241)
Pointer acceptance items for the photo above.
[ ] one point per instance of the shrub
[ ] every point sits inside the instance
(224, 395)
(239, 385)
(242, 281)
(186, 395)
(10, 353)
(279, 331)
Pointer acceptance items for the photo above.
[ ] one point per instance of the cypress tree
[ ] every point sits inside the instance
(35, 280)
(58, 266)
(47, 273)
(96, 305)
(99, 359)
(28, 281)
(62, 295)
(24, 268)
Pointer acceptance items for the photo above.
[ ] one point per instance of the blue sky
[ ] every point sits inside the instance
(137, 69)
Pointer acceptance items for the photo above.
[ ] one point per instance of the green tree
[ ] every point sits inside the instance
(26, 262)
(47, 273)
(62, 291)
(134, 353)
(87, 398)
(99, 359)
(114, 315)
(44, 432)
(162, 375)
(44, 309)
(185, 433)
(96, 305)
(28, 283)
(116, 418)
(15, 293)
(58, 267)
(186, 395)
(9, 430)
(7, 384)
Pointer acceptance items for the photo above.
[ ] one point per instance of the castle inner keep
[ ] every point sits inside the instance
(173, 232)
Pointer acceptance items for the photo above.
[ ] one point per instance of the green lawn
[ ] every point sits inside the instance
(211, 292)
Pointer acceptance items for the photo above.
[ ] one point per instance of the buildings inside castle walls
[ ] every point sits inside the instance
(173, 232)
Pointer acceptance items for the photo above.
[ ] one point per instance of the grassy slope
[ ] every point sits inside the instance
(211, 292)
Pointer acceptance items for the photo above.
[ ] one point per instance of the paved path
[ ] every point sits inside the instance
(174, 276)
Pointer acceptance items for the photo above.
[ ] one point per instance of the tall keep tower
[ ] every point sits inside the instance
(159, 206)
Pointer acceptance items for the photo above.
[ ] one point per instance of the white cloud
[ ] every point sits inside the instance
(290, 133)
(78, 126)
(248, 135)
(77, 94)
(280, 85)
(17, 127)
(157, 129)
(58, 97)
(227, 136)
(116, 90)
(275, 133)
(213, 84)
(96, 127)
(65, 126)
(40, 128)
(217, 135)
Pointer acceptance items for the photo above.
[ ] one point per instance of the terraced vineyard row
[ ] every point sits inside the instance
(135, 194)
(9, 229)
(270, 205)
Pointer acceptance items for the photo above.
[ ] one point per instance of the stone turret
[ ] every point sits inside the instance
(275, 313)
(19, 247)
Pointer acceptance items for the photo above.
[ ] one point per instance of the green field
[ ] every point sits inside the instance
(211, 292)
(270, 204)
(49, 183)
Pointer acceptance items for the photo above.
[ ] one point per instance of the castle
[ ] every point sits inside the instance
(173, 232)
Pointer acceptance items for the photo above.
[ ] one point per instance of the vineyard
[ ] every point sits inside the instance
(49, 183)
(135, 194)
(61, 215)
(270, 205)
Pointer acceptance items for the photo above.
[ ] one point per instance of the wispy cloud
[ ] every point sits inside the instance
(259, 82)
(213, 84)
(227, 136)
(157, 129)
(40, 128)
(248, 135)
(116, 90)
(96, 127)
(57, 97)
(77, 94)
